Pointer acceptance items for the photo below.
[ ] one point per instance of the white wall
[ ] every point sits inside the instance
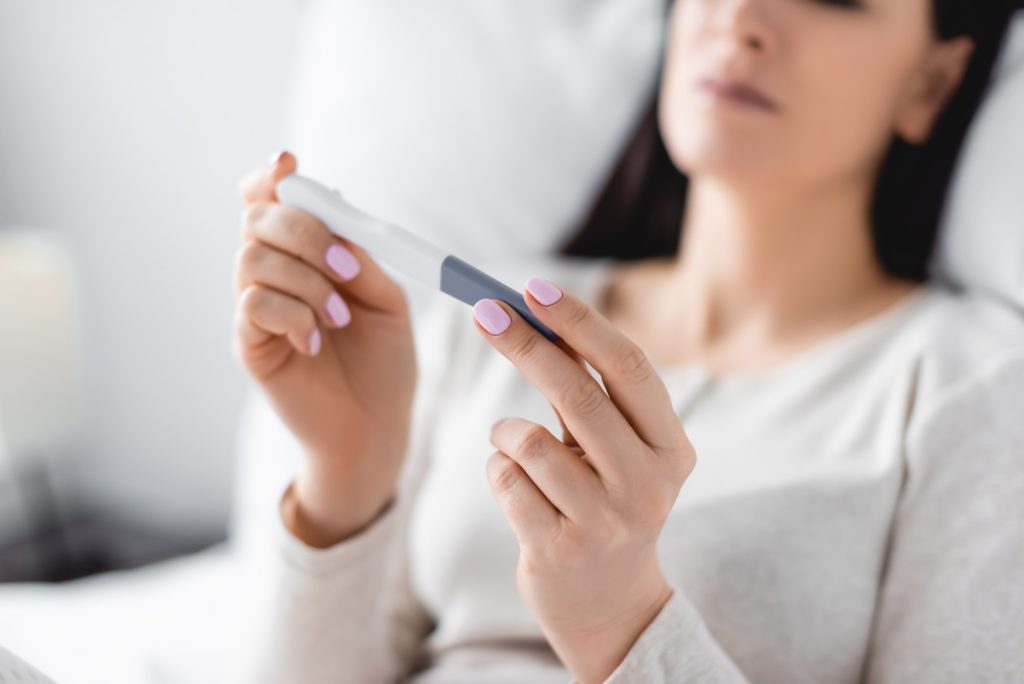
(125, 126)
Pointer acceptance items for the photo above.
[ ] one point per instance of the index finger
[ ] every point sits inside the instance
(259, 185)
(578, 399)
(625, 370)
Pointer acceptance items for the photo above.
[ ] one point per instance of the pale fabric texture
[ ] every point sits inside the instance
(855, 515)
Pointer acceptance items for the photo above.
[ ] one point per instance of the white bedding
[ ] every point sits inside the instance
(163, 623)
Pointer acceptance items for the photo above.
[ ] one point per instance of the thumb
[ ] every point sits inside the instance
(259, 185)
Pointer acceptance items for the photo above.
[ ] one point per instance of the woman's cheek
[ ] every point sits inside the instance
(851, 91)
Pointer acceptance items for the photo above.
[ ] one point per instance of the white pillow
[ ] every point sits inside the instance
(981, 243)
(485, 126)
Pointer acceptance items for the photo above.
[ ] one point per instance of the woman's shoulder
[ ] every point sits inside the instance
(968, 346)
(962, 334)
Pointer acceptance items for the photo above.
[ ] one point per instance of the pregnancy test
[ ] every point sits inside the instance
(407, 252)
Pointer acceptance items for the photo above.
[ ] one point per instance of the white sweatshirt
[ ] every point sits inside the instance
(856, 514)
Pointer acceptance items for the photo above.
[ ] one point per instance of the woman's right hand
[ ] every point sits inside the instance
(327, 336)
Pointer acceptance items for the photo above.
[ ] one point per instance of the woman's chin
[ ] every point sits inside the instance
(726, 159)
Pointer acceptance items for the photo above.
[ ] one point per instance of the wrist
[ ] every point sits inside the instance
(592, 655)
(323, 513)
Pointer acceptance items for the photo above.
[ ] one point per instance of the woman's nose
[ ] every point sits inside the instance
(745, 22)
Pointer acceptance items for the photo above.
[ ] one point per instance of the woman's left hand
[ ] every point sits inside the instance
(587, 509)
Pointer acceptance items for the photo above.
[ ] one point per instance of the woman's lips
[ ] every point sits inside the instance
(736, 93)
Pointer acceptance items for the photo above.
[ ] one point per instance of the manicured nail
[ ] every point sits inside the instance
(342, 262)
(314, 343)
(543, 291)
(275, 158)
(338, 310)
(491, 316)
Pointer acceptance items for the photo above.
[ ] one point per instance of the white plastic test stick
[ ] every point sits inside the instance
(405, 251)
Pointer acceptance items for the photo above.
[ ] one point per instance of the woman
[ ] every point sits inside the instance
(838, 505)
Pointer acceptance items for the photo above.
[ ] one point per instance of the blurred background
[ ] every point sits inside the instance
(123, 132)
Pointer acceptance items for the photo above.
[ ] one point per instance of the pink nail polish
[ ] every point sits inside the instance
(491, 316)
(543, 291)
(314, 343)
(342, 262)
(338, 310)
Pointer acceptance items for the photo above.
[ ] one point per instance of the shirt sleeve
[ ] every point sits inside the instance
(951, 604)
(676, 647)
(347, 613)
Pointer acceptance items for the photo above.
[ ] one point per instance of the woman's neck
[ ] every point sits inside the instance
(762, 272)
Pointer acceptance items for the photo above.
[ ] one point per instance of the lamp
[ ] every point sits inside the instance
(41, 369)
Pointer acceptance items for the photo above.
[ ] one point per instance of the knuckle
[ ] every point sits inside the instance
(652, 507)
(505, 474)
(631, 363)
(240, 270)
(689, 455)
(240, 256)
(578, 314)
(313, 282)
(533, 444)
(252, 215)
(249, 257)
(304, 235)
(684, 460)
(525, 347)
(256, 301)
(584, 399)
(306, 315)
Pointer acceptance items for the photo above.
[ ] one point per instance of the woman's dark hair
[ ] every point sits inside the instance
(638, 214)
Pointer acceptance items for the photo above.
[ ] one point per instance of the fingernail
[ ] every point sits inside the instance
(338, 310)
(543, 291)
(314, 342)
(275, 158)
(491, 316)
(342, 261)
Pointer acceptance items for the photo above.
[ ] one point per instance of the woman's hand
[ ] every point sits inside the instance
(327, 336)
(586, 509)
